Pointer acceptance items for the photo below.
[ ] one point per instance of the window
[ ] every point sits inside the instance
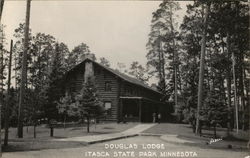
(98, 71)
(107, 86)
(107, 107)
(128, 90)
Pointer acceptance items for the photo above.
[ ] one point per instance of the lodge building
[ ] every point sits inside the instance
(120, 94)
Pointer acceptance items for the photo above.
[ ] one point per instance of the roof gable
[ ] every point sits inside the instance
(119, 74)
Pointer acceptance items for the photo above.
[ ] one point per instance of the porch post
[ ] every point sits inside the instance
(121, 110)
(140, 110)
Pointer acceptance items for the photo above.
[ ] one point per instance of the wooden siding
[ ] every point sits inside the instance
(74, 81)
(134, 90)
(101, 77)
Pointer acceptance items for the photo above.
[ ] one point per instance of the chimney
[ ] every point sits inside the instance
(89, 56)
(89, 70)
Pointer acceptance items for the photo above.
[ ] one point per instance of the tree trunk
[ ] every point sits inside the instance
(241, 90)
(162, 68)
(248, 103)
(159, 66)
(234, 69)
(1, 76)
(247, 85)
(174, 60)
(202, 64)
(88, 124)
(248, 97)
(215, 135)
(235, 94)
(64, 121)
(1, 8)
(95, 123)
(228, 78)
(34, 131)
(1, 90)
(7, 105)
(24, 72)
(248, 100)
(52, 131)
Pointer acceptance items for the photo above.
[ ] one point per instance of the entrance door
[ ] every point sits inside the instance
(131, 109)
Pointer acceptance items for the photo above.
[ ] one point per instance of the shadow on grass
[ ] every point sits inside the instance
(40, 145)
(108, 128)
(76, 128)
(232, 138)
(224, 144)
(98, 133)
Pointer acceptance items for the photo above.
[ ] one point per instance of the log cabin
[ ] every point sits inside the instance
(122, 96)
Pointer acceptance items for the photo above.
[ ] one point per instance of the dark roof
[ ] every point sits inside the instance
(122, 76)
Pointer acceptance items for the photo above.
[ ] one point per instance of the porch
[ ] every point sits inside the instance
(140, 109)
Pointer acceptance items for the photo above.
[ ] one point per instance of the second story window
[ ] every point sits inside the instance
(108, 86)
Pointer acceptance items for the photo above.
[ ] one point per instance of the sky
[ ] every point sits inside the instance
(116, 30)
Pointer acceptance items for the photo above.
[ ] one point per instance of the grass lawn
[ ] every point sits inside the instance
(43, 139)
(184, 131)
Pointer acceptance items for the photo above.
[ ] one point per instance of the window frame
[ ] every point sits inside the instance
(107, 86)
(107, 110)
